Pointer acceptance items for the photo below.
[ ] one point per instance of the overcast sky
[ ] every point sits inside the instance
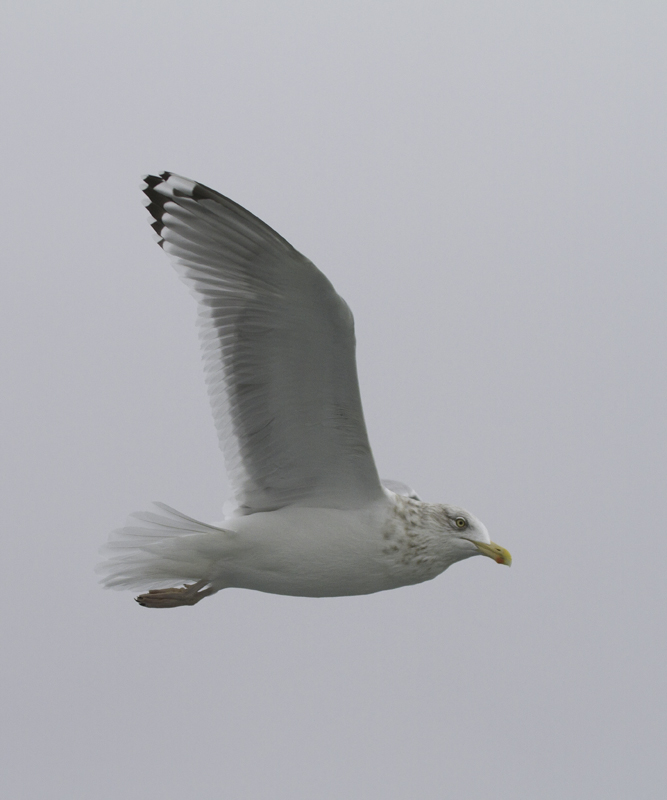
(484, 183)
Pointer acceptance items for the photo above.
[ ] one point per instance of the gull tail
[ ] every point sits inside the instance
(162, 548)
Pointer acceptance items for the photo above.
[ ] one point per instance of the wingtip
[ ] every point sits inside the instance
(150, 181)
(154, 201)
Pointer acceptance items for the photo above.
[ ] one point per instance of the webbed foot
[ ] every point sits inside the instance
(186, 595)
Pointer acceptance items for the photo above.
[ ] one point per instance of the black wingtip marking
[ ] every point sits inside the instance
(156, 203)
(155, 209)
(201, 192)
(151, 181)
(157, 200)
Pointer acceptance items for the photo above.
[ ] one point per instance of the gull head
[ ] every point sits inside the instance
(429, 537)
(466, 536)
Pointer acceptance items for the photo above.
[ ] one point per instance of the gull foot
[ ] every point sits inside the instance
(186, 595)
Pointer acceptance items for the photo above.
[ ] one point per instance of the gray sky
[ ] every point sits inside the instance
(484, 183)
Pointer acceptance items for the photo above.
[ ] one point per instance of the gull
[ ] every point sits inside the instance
(310, 516)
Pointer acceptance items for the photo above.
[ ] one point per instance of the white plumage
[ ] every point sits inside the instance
(312, 516)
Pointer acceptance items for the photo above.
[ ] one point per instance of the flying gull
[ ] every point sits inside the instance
(312, 517)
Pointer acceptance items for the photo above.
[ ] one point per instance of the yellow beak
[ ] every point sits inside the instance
(494, 551)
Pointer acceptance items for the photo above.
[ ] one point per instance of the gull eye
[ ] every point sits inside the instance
(461, 523)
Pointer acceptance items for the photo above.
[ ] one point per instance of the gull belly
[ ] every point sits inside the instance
(309, 552)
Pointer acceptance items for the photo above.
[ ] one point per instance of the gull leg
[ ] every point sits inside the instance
(186, 595)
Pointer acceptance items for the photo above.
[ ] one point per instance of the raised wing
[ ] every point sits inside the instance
(278, 351)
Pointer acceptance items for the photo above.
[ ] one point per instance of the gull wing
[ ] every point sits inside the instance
(279, 354)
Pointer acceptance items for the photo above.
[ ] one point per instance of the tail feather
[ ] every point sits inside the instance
(158, 549)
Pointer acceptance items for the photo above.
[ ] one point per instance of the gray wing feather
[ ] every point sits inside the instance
(279, 353)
